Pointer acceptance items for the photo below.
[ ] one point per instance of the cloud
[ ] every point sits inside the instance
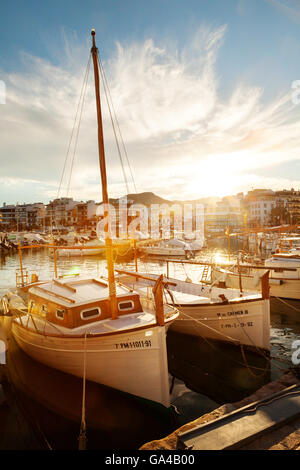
(290, 8)
(183, 139)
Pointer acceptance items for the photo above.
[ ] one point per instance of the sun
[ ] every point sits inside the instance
(214, 177)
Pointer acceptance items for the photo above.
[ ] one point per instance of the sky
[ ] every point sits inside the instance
(206, 95)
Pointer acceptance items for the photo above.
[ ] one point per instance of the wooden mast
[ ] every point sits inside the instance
(108, 241)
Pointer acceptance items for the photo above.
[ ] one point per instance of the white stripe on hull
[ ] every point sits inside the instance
(131, 362)
(247, 323)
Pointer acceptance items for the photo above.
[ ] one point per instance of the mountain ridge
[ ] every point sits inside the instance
(148, 198)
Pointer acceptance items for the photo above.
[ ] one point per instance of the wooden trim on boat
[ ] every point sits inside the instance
(147, 278)
(55, 294)
(99, 283)
(89, 335)
(251, 276)
(72, 317)
(66, 286)
(213, 305)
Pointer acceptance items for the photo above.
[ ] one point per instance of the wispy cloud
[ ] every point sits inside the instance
(183, 139)
(290, 8)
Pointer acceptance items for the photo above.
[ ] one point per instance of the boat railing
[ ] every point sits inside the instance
(30, 315)
(157, 291)
(22, 278)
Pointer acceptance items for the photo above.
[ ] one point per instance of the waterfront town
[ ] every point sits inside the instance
(258, 208)
(149, 228)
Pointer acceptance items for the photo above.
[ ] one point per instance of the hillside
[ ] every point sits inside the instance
(148, 198)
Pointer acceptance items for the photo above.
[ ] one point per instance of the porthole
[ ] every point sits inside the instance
(126, 305)
(60, 314)
(90, 313)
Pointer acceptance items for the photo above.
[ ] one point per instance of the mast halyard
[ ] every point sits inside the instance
(108, 241)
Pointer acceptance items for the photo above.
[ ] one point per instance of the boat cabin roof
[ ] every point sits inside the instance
(75, 291)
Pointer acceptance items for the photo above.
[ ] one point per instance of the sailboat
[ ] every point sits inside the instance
(91, 328)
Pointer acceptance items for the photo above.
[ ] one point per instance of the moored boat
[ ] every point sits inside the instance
(213, 312)
(172, 248)
(91, 248)
(97, 330)
(284, 275)
(68, 321)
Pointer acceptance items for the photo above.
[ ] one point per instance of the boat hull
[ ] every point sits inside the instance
(134, 362)
(80, 252)
(243, 321)
(246, 323)
(156, 251)
(279, 287)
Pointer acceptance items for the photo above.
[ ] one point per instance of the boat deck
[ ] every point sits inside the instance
(75, 291)
(124, 323)
(188, 292)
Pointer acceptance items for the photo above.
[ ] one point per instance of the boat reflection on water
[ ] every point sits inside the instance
(52, 401)
(223, 372)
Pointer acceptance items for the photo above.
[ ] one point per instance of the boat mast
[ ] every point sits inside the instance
(108, 241)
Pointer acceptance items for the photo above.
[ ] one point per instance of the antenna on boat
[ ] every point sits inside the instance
(108, 240)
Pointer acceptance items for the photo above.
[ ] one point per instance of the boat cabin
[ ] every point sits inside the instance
(73, 302)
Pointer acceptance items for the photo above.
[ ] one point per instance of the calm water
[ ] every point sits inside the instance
(40, 408)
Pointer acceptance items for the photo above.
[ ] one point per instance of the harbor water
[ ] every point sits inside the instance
(42, 408)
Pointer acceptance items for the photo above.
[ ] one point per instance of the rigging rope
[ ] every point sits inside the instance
(79, 122)
(113, 117)
(286, 303)
(75, 120)
(83, 89)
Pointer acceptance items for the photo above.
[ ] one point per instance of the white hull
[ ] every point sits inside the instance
(279, 287)
(247, 323)
(243, 321)
(157, 251)
(170, 252)
(132, 362)
(82, 252)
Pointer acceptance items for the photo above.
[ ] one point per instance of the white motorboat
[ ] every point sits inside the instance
(172, 248)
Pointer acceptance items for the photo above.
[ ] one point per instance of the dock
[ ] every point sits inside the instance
(246, 424)
(269, 419)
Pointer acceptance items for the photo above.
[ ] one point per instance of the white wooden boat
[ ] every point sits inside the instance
(69, 321)
(284, 277)
(213, 312)
(84, 249)
(97, 330)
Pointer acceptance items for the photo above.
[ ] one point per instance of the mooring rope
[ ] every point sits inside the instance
(82, 435)
(286, 303)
